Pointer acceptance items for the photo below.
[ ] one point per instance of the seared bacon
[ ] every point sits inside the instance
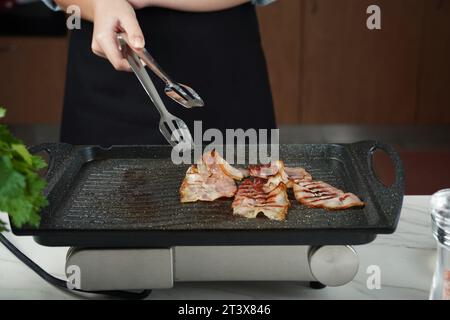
(210, 179)
(274, 181)
(276, 172)
(267, 170)
(245, 172)
(211, 162)
(252, 198)
(296, 175)
(318, 194)
(201, 187)
(273, 173)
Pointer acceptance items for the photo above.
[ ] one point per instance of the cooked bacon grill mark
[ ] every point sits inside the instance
(210, 179)
(318, 194)
(273, 173)
(211, 163)
(296, 175)
(253, 198)
(264, 192)
(266, 171)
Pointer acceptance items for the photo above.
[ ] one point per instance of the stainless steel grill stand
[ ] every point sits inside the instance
(157, 268)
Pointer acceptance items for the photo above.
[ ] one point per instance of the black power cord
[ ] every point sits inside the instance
(62, 284)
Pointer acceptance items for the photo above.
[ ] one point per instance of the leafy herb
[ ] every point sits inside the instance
(20, 185)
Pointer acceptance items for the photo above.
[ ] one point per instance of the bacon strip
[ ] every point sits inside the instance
(210, 179)
(200, 187)
(267, 170)
(288, 176)
(252, 198)
(273, 173)
(296, 175)
(211, 162)
(318, 194)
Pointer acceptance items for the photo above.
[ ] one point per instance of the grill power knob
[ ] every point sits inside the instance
(333, 265)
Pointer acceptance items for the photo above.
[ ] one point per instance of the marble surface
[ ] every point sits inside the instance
(406, 261)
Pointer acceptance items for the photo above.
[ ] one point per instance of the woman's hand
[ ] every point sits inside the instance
(111, 17)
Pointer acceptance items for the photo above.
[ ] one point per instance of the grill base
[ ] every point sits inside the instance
(139, 269)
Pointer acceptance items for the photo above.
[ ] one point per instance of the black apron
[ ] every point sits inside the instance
(218, 54)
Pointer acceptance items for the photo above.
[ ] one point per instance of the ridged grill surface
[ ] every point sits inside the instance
(121, 194)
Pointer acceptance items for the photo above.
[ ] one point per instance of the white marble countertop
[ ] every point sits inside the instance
(406, 260)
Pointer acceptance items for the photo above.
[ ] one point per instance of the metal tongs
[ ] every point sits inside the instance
(173, 129)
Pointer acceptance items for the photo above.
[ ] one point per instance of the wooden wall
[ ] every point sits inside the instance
(32, 78)
(327, 67)
(434, 82)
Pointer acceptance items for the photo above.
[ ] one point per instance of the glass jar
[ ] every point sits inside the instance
(440, 219)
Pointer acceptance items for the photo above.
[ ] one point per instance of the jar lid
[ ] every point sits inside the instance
(440, 216)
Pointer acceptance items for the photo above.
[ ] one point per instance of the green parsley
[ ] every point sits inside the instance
(20, 184)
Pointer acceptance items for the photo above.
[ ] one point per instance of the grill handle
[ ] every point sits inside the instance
(57, 152)
(364, 151)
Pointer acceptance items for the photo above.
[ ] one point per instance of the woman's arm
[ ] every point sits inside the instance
(109, 18)
(189, 5)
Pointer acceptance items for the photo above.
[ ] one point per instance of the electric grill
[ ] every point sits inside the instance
(119, 210)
